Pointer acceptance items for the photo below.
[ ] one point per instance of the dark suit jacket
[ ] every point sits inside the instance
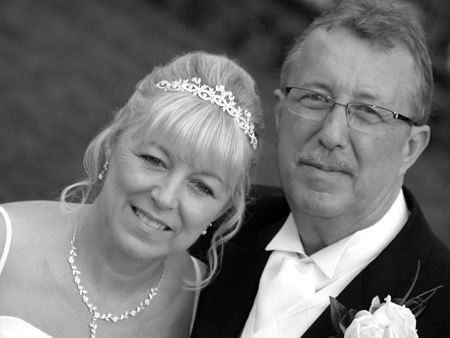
(226, 303)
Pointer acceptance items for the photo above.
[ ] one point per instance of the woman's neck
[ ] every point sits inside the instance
(104, 267)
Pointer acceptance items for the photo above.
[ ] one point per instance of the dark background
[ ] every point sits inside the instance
(65, 66)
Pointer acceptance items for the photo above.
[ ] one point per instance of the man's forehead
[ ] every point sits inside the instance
(336, 59)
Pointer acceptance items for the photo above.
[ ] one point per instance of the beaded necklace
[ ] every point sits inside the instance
(93, 309)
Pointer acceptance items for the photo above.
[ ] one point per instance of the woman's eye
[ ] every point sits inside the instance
(153, 161)
(203, 188)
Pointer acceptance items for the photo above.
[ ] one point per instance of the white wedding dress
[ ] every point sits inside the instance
(12, 327)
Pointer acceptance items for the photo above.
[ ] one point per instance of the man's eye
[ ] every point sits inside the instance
(314, 101)
(367, 114)
(318, 97)
(366, 109)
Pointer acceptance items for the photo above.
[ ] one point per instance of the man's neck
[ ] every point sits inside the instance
(317, 233)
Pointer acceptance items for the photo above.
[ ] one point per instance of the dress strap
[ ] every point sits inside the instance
(8, 239)
(198, 276)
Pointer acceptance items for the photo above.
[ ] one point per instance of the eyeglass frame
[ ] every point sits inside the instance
(395, 115)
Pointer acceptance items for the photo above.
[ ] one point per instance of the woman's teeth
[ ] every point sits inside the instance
(149, 222)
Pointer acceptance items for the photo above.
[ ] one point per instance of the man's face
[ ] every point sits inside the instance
(327, 168)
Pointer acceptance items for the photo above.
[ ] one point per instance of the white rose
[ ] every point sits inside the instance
(387, 320)
(364, 325)
(399, 319)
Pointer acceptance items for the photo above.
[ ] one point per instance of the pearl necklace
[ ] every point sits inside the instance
(93, 309)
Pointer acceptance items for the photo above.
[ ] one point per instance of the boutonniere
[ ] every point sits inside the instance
(392, 318)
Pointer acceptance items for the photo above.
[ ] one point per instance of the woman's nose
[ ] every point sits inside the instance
(166, 194)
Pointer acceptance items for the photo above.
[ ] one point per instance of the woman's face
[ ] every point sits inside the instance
(154, 203)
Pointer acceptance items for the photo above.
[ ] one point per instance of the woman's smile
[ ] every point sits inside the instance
(150, 221)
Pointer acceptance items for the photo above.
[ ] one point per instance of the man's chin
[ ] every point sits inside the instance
(316, 202)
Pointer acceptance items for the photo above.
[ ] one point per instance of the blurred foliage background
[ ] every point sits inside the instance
(65, 66)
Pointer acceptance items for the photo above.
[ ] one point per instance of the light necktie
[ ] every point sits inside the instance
(289, 281)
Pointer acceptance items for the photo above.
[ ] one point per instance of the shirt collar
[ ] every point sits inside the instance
(287, 238)
(350, 252)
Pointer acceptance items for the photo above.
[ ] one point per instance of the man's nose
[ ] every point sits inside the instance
(335, 128)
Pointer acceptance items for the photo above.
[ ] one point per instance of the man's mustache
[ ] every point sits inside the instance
(327, 160)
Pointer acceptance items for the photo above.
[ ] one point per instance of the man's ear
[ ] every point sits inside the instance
(417, 142)
(278, 100)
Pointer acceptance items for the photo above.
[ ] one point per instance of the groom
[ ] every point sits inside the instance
(351, 119)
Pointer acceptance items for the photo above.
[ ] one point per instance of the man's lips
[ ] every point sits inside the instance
(150, 221)
(325, 161)
(325, 167)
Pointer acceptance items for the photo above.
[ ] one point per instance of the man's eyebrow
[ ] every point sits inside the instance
(367, 95)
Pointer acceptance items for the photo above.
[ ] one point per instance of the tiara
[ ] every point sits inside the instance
(220, 97)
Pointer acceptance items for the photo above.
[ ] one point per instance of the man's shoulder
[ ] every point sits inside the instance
(438, 263)
(418, 241)
(438, 249)
(434, 321)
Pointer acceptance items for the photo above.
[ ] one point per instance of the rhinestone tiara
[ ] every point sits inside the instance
(220, 97)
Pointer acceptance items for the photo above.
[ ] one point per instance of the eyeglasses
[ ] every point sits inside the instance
(316, 106)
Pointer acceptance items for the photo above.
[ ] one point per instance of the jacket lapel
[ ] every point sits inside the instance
(391, 273)
(233, 291)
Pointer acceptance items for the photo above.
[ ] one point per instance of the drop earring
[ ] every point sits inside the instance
(104, 170)
(206, 229)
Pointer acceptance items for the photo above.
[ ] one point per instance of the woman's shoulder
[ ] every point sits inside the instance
(22, 225)
(24, 209)
(29, 218)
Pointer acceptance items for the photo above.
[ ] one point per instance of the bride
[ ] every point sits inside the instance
(110, 259)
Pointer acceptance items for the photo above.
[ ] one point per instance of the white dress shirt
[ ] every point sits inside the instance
(299, 301)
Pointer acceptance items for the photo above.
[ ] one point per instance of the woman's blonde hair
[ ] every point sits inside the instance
(198, 131)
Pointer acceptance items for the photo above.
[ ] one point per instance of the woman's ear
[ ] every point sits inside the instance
(108, 149)
(416, 143)
(223, 211)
